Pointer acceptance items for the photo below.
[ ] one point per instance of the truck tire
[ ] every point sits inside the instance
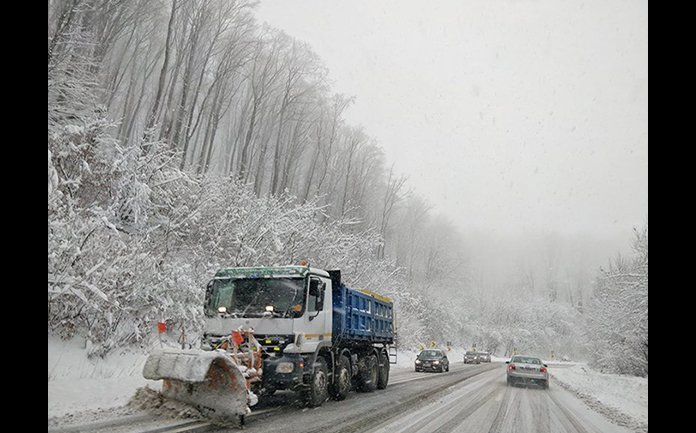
(369, 373)
(341, 387)
(383, 373)
(318, 390)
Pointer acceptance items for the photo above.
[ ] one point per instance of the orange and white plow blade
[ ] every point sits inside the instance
(209, 381)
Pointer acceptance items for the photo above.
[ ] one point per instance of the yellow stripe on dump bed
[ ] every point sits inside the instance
(375, 295)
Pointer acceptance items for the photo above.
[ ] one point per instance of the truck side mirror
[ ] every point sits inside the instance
(317, 289)
(319, 304)
(320, 299)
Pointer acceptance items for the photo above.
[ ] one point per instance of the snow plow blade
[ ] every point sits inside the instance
(210, 381)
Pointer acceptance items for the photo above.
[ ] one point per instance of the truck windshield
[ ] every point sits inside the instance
(249, 297)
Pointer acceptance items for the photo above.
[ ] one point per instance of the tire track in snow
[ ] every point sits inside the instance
(568, 419)
(454, 409)
(379, 416)
(502, 411)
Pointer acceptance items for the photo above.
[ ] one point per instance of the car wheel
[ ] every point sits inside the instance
(509, 381)
(546, 385)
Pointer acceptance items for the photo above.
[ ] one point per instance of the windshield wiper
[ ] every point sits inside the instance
(251, 303)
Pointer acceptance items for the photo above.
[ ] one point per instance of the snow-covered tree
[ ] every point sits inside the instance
(618, 314)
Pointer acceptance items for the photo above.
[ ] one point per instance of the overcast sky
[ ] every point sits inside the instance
(506, 115)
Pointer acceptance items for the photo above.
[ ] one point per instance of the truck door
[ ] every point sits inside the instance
(316, 322)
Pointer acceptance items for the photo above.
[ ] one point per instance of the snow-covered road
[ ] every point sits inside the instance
(470, 398)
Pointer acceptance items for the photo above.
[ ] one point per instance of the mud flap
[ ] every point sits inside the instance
(210, 381)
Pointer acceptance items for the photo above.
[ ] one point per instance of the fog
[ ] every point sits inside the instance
(509, 117)
(478, 162)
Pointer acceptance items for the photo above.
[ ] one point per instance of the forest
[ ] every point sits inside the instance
(185, 136)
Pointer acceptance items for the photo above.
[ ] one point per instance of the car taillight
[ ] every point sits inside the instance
(543, 369)
(511, 367)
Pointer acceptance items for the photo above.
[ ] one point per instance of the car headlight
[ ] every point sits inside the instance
(418, 361)
(436, 362)
(285, 367)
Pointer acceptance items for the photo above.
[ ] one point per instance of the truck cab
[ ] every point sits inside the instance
(287, 307)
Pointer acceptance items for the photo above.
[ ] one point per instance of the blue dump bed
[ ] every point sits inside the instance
(361, 316)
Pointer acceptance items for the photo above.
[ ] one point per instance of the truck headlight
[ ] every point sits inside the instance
(284, 367)
(418, 361)
(436, 362)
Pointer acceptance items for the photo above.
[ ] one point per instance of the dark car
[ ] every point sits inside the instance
(432, 360)
(484, 356)
(471, 357)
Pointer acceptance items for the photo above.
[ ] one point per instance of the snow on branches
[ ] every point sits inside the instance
(618, 315)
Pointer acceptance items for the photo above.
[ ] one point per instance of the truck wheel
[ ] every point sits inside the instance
(383, 375)
(341, 387)
(318, 390)
(369, 373)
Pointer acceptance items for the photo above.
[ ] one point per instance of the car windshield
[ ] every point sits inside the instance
(430, 354)
(526, 360)
(470, 353)
(249, 297)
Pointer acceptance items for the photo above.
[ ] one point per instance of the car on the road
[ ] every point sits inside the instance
(471, 357)
(527, 369)
(432, 360)
(484, 356)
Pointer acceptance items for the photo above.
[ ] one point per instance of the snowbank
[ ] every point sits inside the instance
(77, 384)
(623, 399)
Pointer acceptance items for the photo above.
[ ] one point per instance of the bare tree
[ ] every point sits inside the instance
(392, 195)
(152, 117)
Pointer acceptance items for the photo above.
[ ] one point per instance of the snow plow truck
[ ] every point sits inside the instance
(280, 328)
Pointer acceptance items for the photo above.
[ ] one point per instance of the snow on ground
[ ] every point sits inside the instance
(78, 384)
(622, 398)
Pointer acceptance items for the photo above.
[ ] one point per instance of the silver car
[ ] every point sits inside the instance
(527, 369)
(471, 357)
